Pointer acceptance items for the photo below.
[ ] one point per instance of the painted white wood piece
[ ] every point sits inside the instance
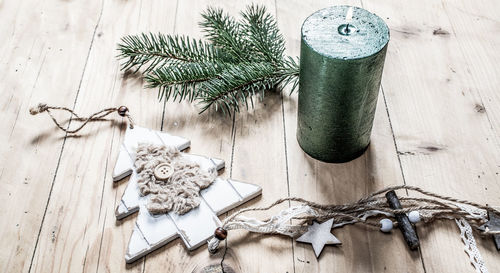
(130, 200)
(195, 227)
(126, 157)
(319, 235)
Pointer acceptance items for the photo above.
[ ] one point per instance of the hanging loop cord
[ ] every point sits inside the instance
(42, 107)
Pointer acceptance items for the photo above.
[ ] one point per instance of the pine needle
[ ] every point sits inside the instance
(242, 59)
(157, 50)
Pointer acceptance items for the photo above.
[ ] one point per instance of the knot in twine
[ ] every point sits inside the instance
(432, 207)
(43, 107)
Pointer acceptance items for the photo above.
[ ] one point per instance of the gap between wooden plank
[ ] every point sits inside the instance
(174, 28)
(285, 147)
(233, 141)
(399, 162)
(267, 114)
(65, 136)
(393, 136)
(286, 169)
(102, 196)
(397, 154)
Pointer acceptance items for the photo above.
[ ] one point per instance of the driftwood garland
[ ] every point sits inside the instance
(368, 211)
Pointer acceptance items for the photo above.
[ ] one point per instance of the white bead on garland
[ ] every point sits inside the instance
(372, 210)
(414, 217)
(386, 225)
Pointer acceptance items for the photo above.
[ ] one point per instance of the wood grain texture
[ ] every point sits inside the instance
(72, 238)
(436, 126)
(445, 142)
(45, 46)
(210, 134)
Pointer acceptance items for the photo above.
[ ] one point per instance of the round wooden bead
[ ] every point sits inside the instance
(414, 216)
(220, 233)
(122, 110)
(386, 225)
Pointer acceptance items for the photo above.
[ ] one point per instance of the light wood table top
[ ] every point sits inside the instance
(437, 126)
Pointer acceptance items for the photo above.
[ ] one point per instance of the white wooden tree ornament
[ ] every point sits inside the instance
(195, 227)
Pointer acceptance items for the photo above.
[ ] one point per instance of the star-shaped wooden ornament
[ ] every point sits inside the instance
(493, 224)
(319, 235)
(194, 227)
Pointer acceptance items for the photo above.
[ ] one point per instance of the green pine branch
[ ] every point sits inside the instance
(225, 33)
(263, 34)
(242, 59)
(180, 82)
(240, 83)
(156, 50)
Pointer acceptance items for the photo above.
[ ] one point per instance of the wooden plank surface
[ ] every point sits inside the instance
(445, 139)
(45, 47)
(436, 126)
(83, 190)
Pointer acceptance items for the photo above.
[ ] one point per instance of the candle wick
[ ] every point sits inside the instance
(348, 18)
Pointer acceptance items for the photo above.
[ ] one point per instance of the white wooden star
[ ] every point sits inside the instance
(319, 235)
(195, 227)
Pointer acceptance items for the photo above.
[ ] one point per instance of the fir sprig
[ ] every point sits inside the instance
(157, 50)
(263, 34)
(226, 33)
(181, 81)
(242, 59)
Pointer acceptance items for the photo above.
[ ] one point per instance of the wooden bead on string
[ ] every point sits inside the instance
(122, 110)
(220, 234)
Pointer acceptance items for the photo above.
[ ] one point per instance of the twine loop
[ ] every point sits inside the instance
(43, 107)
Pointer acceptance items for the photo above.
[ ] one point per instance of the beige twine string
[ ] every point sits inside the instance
(439, 208)
(42, 107)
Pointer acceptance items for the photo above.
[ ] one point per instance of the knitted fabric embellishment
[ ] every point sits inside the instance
(181, 191)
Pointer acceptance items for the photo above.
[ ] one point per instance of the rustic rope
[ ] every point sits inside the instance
(438, 207)
(42, 107)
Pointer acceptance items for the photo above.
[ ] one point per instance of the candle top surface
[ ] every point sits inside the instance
(327, 33)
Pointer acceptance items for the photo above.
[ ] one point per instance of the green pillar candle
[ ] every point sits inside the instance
(341, 60)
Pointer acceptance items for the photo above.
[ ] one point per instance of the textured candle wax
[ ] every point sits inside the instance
(340, 72)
